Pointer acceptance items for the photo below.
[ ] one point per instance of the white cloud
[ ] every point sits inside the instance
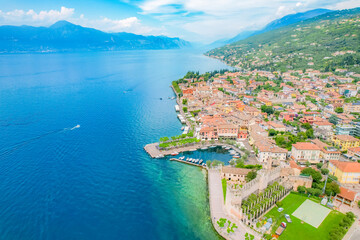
(46, 18)
(30, 17)
(131, 24)
(347, 4)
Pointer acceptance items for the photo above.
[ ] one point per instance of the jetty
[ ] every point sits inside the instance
(186, 162)
(154, 151)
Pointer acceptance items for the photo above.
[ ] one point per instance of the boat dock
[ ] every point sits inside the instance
(190, 163)
(154, 151)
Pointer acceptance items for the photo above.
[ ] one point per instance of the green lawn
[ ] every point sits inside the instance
(224, 184)
(296, 229)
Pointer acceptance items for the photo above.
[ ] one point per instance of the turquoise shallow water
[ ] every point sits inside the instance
(96, 182)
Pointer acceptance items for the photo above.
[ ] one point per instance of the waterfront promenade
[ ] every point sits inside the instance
(217, 208)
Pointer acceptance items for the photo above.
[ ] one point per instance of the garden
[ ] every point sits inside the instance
(255, 205)
(299, 229)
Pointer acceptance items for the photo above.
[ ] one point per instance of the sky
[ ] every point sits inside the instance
(202, 21)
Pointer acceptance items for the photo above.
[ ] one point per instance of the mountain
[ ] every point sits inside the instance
(325, 42)
(65, 36)
(278, 23)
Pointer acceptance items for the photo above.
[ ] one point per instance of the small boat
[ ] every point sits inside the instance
(192, 150)
(200, 162)
(197, 160)
(204, 148)
(173, 98)
(212, 147)
(227, 148)
(174, 153)
(182, 129)
(236, 156)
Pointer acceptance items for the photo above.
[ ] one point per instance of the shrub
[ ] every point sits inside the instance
(319, 165)
(324, 171)
(279, 203)
(301, 189)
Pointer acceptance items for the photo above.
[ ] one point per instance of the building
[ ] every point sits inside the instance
(305, 151)
(347, 197)
(345, 129)
(327, 152)
(276, 126)
(344, 142)
(267, 151)
(352, 107)
(234, 174)
(346, 172)
(228, 131)
(355, 151)
(323, 130)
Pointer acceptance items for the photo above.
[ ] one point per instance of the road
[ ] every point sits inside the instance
(217, 207)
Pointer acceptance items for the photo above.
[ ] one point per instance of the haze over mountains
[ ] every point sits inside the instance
(278, 23)
(65, 36)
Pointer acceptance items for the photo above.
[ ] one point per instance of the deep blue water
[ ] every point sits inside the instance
(96, 181)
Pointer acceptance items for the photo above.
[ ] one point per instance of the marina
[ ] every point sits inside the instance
(155, 152)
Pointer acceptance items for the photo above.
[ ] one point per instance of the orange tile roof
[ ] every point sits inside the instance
(305, 146)
(354, 149)
(347, 166)
(347, 194)
(346, 138)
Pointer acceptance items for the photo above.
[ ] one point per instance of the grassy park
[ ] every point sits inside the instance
(299, 229)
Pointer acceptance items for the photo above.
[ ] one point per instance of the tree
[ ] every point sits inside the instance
(184, 101)
(325, 171)
(328, 85)
(332, 189)
(208, 163)
(306, 126)
(319, 165)
(267, 109)
(301, 189)
(164, 139)
(314, 174)
(272, 132)
(310, 133)
(339, 110)
(250, 176)
(185, 109)
(333, 119)
(217, 163)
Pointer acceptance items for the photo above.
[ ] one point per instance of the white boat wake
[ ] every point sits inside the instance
(14, 147)
(77, 126)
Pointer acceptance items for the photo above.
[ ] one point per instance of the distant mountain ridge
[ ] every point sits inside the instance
(278, 23)
(65, 36)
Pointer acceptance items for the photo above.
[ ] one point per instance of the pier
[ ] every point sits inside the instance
(190, 163)
(154, 151)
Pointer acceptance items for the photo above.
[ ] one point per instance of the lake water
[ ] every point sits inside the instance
(96, 181)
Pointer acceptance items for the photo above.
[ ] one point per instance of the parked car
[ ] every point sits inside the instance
(288, 219)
